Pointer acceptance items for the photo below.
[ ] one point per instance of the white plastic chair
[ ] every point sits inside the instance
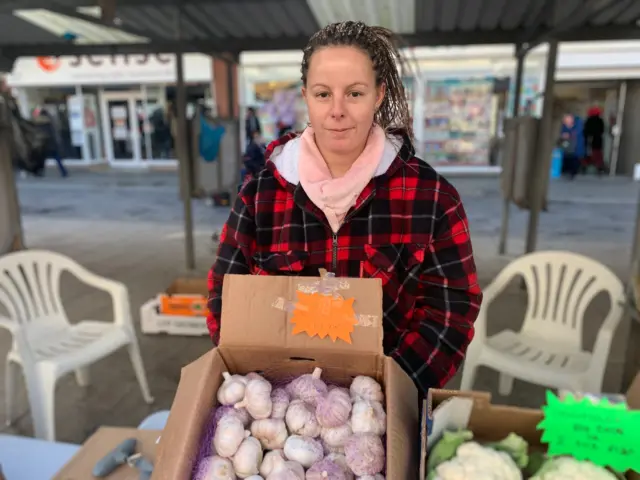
(548, 349)
(45, 344)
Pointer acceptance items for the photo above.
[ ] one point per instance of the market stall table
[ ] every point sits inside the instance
(16, 451)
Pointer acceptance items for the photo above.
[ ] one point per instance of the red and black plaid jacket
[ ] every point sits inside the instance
(408, 228)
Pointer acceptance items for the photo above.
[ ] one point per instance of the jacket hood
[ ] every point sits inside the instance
(282, 155)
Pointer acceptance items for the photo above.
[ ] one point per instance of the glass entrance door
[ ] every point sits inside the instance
(123, 132)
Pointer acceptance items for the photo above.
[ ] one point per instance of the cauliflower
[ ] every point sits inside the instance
(567, 468)
(456, 456)
(473, 461)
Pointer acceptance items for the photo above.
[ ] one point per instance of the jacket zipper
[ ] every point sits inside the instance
(334, 258)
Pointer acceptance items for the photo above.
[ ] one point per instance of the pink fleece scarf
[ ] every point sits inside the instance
(335, 196)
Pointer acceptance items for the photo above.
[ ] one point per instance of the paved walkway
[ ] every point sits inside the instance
(129, 227)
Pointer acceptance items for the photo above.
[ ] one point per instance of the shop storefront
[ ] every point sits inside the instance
(110, 109)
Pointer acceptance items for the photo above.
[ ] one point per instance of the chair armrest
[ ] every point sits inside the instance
(118, 291)
(8, 324)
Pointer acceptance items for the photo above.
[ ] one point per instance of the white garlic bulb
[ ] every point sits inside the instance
(368, 417)
(226, 410)
(232, 389)
(257, 398)
(270, 432)
(270, 461)
(229, 435)
(309, 388)
(335, 438)
(334, 409)
(255, 477)
(248, 458)
(216, 468)
(377, 476)
(304, 450)
(280, 400)
(325, 469)
(366, 388)
(301, 419)
(341, 460)
(287, 471)
(327, 449)
(365, 454)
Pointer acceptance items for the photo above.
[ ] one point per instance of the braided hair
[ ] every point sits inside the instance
(380, 44)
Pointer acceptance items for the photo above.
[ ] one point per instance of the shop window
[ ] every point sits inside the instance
(53, 110)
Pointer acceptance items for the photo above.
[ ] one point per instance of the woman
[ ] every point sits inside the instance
(348, 195)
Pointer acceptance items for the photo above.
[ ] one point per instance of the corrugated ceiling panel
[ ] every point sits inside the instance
(449, 14)
(610, 14)
(470, 15)
(491, 12)
(426, 15)
(87, 33)
(631, 15)
(397, 15)
(15, 30)
(515, 13)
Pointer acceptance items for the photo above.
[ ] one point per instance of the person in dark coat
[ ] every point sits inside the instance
(593, 137)
(252, 124)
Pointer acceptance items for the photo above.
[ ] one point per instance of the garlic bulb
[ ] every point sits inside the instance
(271, 460)
(341, 460)
(368, 417)
(365, 454)
(287, 471)
(232, 389)
(226, 410)
(334, 409)
(215, 468)
(335, 438)
(309, 388)
(377, 476)
(255, 477)
(328, 450)
(280, 400)
(248, 458)
(270, 432)
(257, 398)
(229, 435)
(326, 470)
(304, 450)
(301, 419)
(366, 388)
(336, 387)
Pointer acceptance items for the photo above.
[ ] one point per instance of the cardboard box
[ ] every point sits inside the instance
(256, 336)
(180, 310)
(100, 444)
(453, 410)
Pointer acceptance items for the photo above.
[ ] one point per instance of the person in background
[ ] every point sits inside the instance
(53, 146)
(349, 195)
(252, 124)
(254, 160)
(593, 139)
(569, 142)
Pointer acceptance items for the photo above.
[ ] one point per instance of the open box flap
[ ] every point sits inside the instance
(253, 313)
(633, 394)
(189, 411)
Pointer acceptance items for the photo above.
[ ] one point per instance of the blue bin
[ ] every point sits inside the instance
(556, 163)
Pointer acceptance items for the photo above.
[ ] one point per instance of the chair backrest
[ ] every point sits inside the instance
(30, 287)
(560, 286)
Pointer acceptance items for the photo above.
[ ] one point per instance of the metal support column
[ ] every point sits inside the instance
(543, 161)
(186, 187)
(506, 203)
(12, 239)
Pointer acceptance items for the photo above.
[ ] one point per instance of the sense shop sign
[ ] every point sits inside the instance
(93, 70)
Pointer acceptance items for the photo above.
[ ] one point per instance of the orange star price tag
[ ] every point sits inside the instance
(324, 315)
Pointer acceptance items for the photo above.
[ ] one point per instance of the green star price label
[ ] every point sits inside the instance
(604, 433)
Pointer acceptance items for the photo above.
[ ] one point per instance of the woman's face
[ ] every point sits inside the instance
(342, 98)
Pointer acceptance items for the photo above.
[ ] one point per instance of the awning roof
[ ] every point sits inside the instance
(36, 27)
